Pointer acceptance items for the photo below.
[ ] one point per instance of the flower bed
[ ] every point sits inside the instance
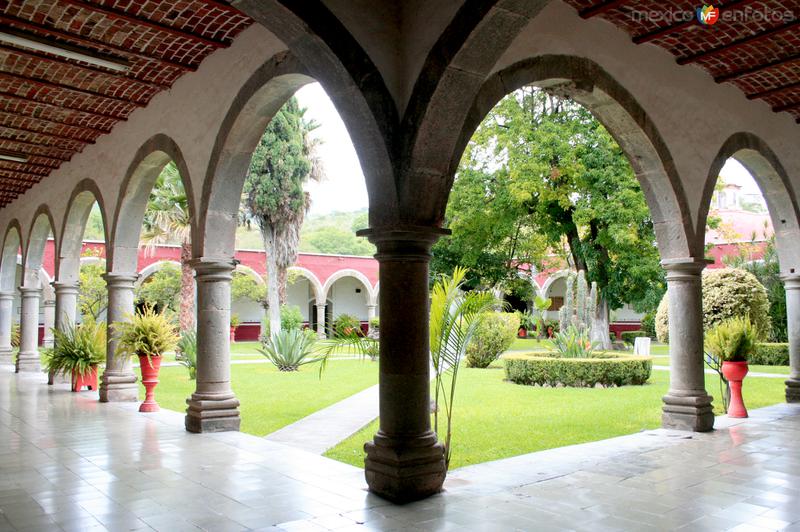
(605, 368)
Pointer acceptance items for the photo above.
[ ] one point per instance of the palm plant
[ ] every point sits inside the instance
(455, 315)
(148, 333)
(168, 220)
(187, 348)
(290, 349)
(77, 348)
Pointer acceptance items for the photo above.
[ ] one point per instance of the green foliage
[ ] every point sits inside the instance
(245, 287)
(494, 334)
(235, 320)
(604, 368)
(731, 340)
(573, 342)
(187, 351)
(167, 219)
(288, 349)
(94, 225)
(148, 333)
(77, 348)
(345, 325)
(374, 323)
(454, 318)
(630, 337)
(337, 241)
(727, 293)
(15, 335)
(162, 290)
(291, 317)
(770, 354)
(92, 293)
(649, 324)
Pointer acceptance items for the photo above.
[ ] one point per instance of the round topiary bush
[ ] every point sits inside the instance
(607, 368)
(494, 334)
(727, 293)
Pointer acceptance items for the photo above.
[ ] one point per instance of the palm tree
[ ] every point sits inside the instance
(274, 197)
(167, 221)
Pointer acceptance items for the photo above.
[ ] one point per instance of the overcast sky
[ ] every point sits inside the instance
(344, 189)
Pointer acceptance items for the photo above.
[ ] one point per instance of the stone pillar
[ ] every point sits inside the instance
(404, 461)
(687, 406)
(118, 382)
(28, 356)
(792, 285)
(6, 322)
(66, 304)
(49, 322)
(371, 311)
(321, 321)
(213, 407)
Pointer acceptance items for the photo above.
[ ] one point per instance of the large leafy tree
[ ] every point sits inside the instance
(274, 195)
(163, 290)
(542, 173)
(167, 221)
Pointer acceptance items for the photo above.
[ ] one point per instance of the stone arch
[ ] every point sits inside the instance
(151, 269)
(555, 276)
(776, 187)
(150, 159)
(592, 87)
(68, 258)
(313, 280)
(376, 292)
(41, 227)
(348, 272)
(12, 248)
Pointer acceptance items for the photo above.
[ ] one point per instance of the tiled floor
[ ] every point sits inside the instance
(70, 463)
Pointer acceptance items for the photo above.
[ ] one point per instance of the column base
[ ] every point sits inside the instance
(118, 388)
(688, 412)
(793, 391)
(404, 470)
(212, 413)
(6, 357)
(28, 361)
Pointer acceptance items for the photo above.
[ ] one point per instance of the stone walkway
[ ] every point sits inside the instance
(68, 462)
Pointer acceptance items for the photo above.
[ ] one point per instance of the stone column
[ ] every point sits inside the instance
(118, 382)
(28, 357)
(49, 322)
(321, 321)
(66, 304)
(687, 406)
(6, 322)
(792, 285)
(404, 461)
(371, 311)
(213, 407)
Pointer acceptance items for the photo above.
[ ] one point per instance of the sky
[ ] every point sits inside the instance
(344, 189)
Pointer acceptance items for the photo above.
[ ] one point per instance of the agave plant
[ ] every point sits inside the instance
(290, 349)
(573, 343)
(455, 315)
(187, 348)
(149, 333)
(77, 348)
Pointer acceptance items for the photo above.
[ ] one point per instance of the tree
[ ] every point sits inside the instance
(543, 175)
(243, 286)
(163, 290)
(167, 220)
(335, 240)
(92, 292)
(274, 198)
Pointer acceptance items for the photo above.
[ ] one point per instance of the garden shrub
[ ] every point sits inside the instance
(291, 318)
(605, 368)
(346, 325)
(727, 293)
(494, 334)
(630, 336)
(649, 324)
(767, 354)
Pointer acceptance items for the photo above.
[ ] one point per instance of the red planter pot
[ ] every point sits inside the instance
(522, 333)
(735, 373)
(149, 369)
(233, 334)
(88, 379)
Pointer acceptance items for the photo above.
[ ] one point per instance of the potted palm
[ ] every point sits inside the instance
(731, 341)
(526, 323)
(147, 335)
(77, 351)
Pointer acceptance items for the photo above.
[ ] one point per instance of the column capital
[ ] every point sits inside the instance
(684, 268)
(64, 288)
(27, 291)
(403, 243)
(7, 296)
(791, 281)
(49, 303)
(207, 269)
(120, 280)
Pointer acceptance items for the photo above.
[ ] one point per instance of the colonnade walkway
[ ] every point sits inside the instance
(68, 462)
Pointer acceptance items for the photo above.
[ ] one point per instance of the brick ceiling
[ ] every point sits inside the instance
(52, 107)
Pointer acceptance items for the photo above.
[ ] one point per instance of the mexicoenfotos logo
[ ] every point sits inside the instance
(707, 15)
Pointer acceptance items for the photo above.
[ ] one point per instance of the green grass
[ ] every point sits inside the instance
(494, 419)
(271, 399)
(777, 370)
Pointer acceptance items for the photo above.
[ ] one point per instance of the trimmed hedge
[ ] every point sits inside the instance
(630, 336)
(770, 355)
(605, 368)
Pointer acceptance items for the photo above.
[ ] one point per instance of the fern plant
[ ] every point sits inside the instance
(77, 348)
(290, 349)
(187, 348)
(732, 340)
(148, 333)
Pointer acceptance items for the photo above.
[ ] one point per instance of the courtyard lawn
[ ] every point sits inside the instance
(494, 419)
(271, 399)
